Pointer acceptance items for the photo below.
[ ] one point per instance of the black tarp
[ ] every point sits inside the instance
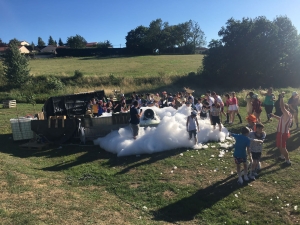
(70, 105)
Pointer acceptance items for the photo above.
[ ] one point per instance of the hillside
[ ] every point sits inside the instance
(124, 66)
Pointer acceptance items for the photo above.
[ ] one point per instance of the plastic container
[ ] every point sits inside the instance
(21, 128)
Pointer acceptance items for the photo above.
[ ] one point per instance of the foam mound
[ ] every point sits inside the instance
(169, 134)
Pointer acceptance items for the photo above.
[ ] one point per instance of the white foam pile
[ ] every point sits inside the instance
(169, 134)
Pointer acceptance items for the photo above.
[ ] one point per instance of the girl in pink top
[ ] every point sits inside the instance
(234, 108)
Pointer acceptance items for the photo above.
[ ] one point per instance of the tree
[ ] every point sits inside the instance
(2, 44)
(76, 42)
(104, 44)
(155, 38)
(14, 41)
(51, 41)
(32, 45)
(15, 66)
(197, 35)
(254, 52)
(41, 43)
(136, 40)
(60, 43)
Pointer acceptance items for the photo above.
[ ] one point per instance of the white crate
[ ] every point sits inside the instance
(9, 104)
(21, 128)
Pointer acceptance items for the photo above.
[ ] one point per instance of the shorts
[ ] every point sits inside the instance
(239, 160)
(233, 108)
(135, 129)
(281, 139)
(191, 132)
(256, 155)
(215, 120)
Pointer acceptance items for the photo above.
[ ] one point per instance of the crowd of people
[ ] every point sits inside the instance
(212, 107)
(250, 141)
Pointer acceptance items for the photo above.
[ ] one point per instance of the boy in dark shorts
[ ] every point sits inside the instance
(257, 138)
(215, 116)
(240, 153)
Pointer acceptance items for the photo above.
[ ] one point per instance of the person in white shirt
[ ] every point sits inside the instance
(219, 100)
(199, 105)
(192, 126)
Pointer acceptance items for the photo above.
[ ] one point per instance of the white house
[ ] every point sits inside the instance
(24, 43)
(24, 50)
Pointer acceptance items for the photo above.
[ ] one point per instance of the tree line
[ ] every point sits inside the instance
(254, 52)
(161, 37)
(250, 52)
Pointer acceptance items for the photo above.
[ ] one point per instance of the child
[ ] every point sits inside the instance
(204, 111)
(251, 119)
(192, 126)
(199, 105)
(257, 137)
(240, 153)
(215, 116)
(256, 107)
(249, 102)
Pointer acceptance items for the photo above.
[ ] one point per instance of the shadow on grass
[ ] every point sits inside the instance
(187, 208)
(86, 154)
(133, 161)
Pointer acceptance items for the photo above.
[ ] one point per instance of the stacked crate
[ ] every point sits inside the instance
(9, 104)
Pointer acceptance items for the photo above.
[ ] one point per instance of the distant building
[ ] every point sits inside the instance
(50, 48)
(22, 49)
(24, 43)
(91, 44)
(200, 50)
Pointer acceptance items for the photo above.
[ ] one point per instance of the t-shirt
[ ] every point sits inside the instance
(133, 118)
(198, 107)
(215, 111)
(192, 125)
(294, 103)
(255, 146)
(269, 99)
(219, 100)
(242, 142)
(234, 101)
(210, 100)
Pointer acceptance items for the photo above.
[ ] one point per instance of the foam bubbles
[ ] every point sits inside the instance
(169, 134)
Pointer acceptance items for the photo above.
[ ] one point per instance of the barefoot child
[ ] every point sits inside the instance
(192, 126)
(215, 116)
(240, 153)
(257, 137)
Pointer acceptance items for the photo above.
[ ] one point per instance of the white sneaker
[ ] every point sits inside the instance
(288, 162)
(246, 178)
(240, 180)
(252, 177)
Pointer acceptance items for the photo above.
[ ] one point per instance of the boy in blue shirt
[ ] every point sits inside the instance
(240, 153)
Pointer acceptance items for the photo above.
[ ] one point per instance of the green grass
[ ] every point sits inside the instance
(124, 66)
(87, 185)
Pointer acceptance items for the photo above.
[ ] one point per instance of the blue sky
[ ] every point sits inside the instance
(99, 20)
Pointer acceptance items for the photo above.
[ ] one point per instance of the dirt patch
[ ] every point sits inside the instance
(169, 194)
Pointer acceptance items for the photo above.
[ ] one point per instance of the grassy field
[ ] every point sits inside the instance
(86, 185)
(125, 66)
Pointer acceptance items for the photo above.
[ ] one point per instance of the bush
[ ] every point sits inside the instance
(54, 83)
(77, 74)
